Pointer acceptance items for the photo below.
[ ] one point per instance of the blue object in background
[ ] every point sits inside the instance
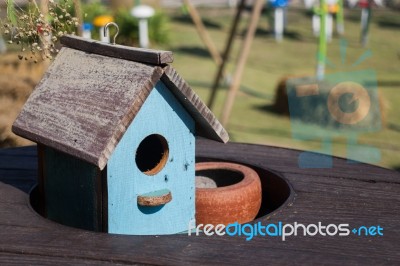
(87, 26)
(278, 3)
(87, 30)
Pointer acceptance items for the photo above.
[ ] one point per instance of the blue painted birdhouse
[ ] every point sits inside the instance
(116, 129)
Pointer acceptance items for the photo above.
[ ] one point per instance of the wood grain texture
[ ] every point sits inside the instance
(72, 191)
(19, 168)
(357, 194)
(85, 103)
(41, 201)
(148, 56)
(126, 181)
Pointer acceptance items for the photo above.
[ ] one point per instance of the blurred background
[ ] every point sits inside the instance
(260, 109)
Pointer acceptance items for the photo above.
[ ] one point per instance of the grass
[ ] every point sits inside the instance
(270, 61)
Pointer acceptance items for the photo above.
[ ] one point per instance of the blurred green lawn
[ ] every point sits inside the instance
(269, 61)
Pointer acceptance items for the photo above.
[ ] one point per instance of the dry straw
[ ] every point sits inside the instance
(36, 30)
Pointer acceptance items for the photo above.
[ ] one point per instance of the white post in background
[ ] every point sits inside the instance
(309, 3)
(279, 23)
(104, 37)
(232, 3)
(340, 18)
(143, 33)
(365, 13)
(143, 13)
(340, 28)
(364, 18)
(3, 47)
(329, 27)
(315, 24)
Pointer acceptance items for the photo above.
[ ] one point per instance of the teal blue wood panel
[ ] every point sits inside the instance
(72, 189)
(161, 114)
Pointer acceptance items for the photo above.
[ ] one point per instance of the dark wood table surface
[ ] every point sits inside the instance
(357, 194)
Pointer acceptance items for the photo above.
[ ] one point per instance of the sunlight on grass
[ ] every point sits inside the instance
(295, 56)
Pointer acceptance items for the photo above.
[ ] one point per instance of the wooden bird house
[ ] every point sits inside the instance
(116, 128)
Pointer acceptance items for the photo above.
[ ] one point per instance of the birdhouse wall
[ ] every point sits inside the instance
(72, 190)
(164, 116)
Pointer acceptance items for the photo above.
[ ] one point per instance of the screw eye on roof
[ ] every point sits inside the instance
(106, 28)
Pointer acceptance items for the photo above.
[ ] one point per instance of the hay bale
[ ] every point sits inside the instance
(9, 110)
(17, 80)
(317, 102)
(281, 105)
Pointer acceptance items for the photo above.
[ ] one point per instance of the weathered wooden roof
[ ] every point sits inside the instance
(86, 101)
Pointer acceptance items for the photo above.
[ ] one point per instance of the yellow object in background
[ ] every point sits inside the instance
(333, 9)
(101, 21)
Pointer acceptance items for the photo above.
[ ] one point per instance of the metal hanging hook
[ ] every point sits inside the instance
(106, 27)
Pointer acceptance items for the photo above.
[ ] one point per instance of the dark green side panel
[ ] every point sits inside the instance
(72, 191)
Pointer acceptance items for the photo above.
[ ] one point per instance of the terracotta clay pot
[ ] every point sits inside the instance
(226, 193)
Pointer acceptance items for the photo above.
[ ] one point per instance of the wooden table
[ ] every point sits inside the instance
(357, 194)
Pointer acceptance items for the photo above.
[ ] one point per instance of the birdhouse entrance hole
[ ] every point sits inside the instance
(152, 154)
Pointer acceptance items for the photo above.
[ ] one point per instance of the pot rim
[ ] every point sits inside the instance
(249, 175)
